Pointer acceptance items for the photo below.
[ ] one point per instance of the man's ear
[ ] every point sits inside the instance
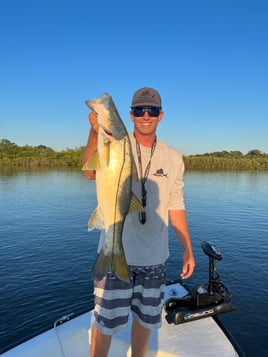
(160, 116)
(131, 116)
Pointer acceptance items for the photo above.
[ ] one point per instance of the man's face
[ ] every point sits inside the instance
(144, 123)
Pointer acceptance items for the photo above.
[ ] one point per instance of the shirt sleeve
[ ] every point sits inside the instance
(176, 198)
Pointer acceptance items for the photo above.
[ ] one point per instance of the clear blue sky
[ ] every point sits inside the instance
(207, 58)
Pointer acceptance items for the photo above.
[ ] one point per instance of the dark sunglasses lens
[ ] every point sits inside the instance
(138, 112)
(152, 112)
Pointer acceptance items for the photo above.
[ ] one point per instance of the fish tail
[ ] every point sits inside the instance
(121, 268)
(111, 263)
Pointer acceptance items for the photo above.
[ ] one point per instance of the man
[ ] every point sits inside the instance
(145, 235)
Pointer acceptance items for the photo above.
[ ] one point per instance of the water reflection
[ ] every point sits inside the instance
(46, 251)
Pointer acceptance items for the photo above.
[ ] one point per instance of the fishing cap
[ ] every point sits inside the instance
(146, 97)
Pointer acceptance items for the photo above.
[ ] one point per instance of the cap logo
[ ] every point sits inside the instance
(146, 94)
(147, 97)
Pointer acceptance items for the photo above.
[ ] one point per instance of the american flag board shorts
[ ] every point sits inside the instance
(143, 296)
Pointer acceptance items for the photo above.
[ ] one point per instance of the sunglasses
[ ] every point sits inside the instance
(140, 111)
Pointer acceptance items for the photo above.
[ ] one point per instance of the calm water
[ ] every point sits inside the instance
(46, 252)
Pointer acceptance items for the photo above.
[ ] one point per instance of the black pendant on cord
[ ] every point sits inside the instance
(142, 214)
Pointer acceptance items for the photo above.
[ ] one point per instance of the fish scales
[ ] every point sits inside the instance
(115, 171)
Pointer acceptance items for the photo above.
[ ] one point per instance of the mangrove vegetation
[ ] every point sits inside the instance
(13, 155)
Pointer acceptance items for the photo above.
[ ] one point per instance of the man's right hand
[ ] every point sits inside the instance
(93, 120)
(92, 143)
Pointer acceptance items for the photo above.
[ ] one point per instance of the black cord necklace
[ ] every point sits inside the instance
(142, 215)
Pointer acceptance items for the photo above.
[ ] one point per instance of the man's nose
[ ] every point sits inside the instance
(146, 115)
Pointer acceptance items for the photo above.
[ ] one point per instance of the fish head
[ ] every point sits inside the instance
(108, 117)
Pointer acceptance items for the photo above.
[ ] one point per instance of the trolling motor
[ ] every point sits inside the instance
(205, 300)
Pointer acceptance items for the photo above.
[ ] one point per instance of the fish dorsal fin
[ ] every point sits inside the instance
(95, 221)
(135, 204)
(93, 163)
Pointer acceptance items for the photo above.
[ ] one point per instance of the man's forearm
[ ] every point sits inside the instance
(179, 222)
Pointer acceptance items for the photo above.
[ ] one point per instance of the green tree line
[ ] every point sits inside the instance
(228, 160)
(37, 156)
(12, 155)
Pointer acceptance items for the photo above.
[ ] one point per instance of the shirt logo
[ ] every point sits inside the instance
(160, 173)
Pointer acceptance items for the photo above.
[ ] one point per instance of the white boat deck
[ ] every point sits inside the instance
(200, 338)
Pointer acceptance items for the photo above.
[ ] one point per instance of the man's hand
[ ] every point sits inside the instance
(93, 120)
(188, 265)
(92, 143)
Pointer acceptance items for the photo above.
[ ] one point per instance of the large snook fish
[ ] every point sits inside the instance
(115, 170)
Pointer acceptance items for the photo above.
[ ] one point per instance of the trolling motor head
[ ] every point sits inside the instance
(206, 299)
(212, 250)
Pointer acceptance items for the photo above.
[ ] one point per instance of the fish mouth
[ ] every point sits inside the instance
(107, 131)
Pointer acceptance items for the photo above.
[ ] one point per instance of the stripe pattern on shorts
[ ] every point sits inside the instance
(143, 295)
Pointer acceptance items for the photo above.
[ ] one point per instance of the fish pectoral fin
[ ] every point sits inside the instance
(110, 263)
(135, 204)
(93, 163)
(95, 221)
